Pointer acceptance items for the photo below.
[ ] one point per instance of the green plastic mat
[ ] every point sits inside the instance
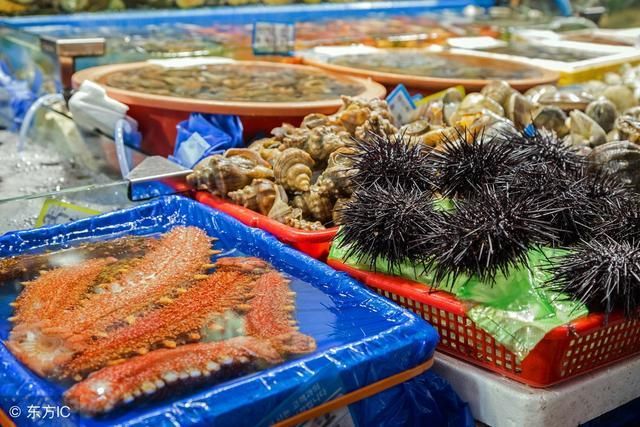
(517, 310)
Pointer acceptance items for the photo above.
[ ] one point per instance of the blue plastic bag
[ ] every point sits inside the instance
(16, 96)
(205, 134)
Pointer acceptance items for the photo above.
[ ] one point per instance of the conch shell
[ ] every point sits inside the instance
(337, 210)
(267, 148)
(335, 181)
(231, 171)
(302, 224)
(258, 196)
(280, 209)
(282, 212)
(293, 170)
(314, 205)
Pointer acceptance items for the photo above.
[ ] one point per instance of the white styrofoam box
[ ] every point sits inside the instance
(607, 54)
(500, 402)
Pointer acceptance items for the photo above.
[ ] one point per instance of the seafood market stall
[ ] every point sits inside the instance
(356, 214)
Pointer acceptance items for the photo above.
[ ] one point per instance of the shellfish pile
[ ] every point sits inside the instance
(234, 82)
(299, 174)
(600, 118)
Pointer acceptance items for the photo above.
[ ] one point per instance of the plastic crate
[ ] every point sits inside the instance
(313, 243)
(567, 351)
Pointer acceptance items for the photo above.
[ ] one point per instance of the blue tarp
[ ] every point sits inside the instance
(361, 338)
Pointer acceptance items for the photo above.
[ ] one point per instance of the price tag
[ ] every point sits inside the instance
(273, 38)
(401, 105)
(56, 212)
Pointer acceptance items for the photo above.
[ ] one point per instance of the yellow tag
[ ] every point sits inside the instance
(56, 212)
(438, 95)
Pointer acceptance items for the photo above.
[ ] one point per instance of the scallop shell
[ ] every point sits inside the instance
(292, 169)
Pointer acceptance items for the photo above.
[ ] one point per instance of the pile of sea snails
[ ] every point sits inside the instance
(299, 174)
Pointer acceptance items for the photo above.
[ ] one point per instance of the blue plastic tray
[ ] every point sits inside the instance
(361, 337)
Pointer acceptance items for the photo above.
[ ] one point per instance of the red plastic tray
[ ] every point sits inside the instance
(583, 345)
(313, 243)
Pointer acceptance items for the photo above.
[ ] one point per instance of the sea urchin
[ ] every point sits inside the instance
(602, 273)
(384, 224)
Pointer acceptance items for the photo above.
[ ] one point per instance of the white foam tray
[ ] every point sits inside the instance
(501, 402)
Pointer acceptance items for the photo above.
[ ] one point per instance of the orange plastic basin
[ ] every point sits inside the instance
(158, 115)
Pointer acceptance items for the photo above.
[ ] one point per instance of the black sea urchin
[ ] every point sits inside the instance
(542, 147)
(602, 273)
(389, 162)
(583, 200)
(620, 218)
(460, 168)
(384, 224)
(486, 234)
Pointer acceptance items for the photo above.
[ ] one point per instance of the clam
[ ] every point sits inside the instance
(519, 110)
(628, 128)
(498, 90)
(603, 112)
(585, 131)
(553, 119)
(476, 103)
(448, 112)
(621, 158)
(433, 114)
(537, 92)
(567, 100)
(417, 128)
(621, 96)
(452, 95)
(612, 79)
